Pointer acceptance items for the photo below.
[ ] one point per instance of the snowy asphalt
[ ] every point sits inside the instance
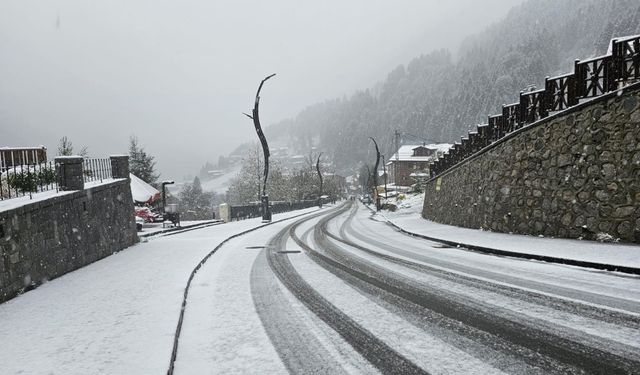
(330, 292)
(337, 292)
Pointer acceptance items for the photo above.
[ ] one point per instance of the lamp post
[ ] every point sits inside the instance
(266, 210)
(375, 174)
(319, 175)
(366, 186)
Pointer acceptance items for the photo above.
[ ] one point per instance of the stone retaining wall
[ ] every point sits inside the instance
(574, 175)
(46, 239)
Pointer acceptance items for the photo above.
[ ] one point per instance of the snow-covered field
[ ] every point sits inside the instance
(220, 184)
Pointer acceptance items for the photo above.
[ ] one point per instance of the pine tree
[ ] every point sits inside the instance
(65, 148)
(141, 164)
(440, 98)
(195, 203)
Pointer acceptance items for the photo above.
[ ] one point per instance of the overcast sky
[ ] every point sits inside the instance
(178, 74)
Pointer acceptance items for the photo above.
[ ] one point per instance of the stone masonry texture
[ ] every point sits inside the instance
(120, 166)
(46, 239)
(575, 175)
(70, 173)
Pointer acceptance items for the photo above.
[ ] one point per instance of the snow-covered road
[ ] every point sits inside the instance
(329, 292)
(115, 316)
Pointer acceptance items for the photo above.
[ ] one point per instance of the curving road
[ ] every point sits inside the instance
(339, 292)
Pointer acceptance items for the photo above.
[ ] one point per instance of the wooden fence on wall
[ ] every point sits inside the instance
(14, 156)
(590, 78)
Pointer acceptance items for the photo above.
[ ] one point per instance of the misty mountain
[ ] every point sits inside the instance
(439, 98)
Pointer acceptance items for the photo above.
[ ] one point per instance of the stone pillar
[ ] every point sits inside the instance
(224, 212)
(70, 172)
(119, 166)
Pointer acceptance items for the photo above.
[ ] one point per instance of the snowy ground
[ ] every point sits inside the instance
(408, 218)
(10, 204)
(268, 303)
(220, 184)
(115, 316)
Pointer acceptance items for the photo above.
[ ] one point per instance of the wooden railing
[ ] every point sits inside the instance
(590, 78)
(20, 156)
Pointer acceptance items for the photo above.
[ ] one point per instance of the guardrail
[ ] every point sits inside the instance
(590, 78)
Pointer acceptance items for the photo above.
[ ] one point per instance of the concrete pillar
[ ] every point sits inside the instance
(70, 172)
(119, 166)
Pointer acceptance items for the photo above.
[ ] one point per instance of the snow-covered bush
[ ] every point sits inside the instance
(24, 179)
(606, 237)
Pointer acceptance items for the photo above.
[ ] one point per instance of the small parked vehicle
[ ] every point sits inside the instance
(147, 215)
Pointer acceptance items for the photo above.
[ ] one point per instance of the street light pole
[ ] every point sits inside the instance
(319, 175)
(375, 174)
(366, 186)
(266, 210)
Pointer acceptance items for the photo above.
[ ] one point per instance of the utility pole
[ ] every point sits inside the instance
(266, 210)
(384, 171)
(396, 135)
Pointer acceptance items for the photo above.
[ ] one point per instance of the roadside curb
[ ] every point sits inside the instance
(173, 229)
(176, 338)
(543, 258)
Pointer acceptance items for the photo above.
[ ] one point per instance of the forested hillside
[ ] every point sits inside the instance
(440, 98)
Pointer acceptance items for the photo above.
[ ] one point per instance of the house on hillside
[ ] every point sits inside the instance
(412, 159)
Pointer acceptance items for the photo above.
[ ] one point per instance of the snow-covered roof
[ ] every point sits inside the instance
(405, 152)
(141, 191)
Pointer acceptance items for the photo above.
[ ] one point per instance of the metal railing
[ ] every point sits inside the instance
(591, 78)
(96, 169)
(22, 180)
(29, 179)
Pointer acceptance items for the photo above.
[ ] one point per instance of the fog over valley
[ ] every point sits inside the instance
(178, 75)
